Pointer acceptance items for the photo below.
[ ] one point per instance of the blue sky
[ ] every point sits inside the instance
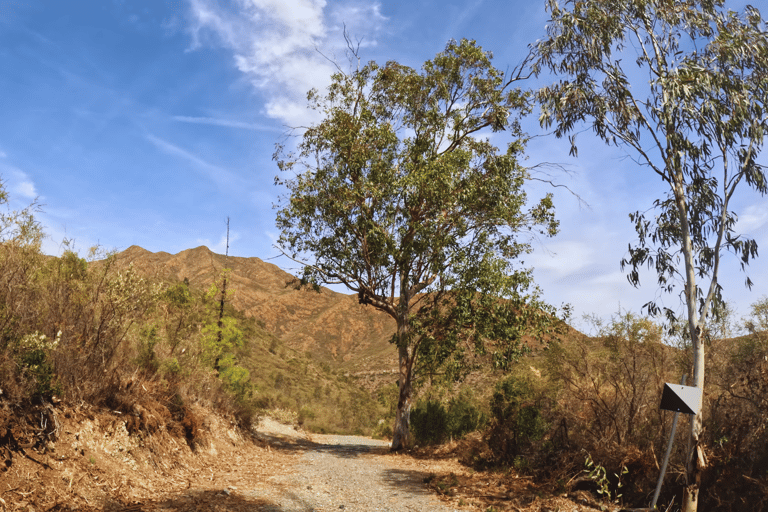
(149, 122)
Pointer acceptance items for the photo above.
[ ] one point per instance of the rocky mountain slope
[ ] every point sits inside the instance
(331, 327)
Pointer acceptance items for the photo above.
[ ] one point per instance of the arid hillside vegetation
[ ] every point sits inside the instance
(331, 327)
(136, 337)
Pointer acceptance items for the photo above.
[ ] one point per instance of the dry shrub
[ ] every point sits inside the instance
(103, 305)
(737, 418)
(16, 389)
(98, 333)
(608, 391)
(610, 384)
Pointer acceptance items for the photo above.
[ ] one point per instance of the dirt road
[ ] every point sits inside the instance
(96, 464)
(342, 473)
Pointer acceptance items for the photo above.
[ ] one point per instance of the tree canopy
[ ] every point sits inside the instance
(400, 195)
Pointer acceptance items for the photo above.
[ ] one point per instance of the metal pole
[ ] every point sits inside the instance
(666, 455)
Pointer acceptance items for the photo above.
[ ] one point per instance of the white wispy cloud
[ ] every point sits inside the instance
(2, 154)
(220, 247)
(564, 258)
(753, 218)
(175, 150)
(17, 182)
(276, 44)
(25, 189)
(215, 173)
(227, 123)
(468, 10)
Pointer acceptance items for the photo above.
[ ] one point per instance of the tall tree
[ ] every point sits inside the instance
(399, 195)
(691, 109)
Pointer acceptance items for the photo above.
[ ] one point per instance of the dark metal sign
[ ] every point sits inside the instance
(679, 398)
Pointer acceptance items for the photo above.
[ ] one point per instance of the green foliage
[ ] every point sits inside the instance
(605, 487)
(235, 377)
(146, 357)
(516, 418)
(178, 295)
(432, 421)
(217, 341)
(396, 194)
(460, 330)
(72, 266)
(33, 354)
(429, 422)
(694, 113)
(172, 367)
(465, 414)
(177, 304)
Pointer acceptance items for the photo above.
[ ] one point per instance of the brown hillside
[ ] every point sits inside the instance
(332, 327)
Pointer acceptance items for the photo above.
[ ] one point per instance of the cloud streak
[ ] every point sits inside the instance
(227, 123)
(276, 44)
(215, 173)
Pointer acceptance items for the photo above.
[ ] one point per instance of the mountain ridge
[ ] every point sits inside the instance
(330, 326)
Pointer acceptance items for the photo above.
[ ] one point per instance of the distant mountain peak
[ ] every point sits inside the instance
(135, 249)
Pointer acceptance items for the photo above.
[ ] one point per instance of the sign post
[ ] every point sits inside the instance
(677, 398)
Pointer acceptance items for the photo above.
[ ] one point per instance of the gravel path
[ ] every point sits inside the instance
(347, 473)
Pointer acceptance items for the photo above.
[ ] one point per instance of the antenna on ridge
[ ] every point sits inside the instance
(220, 323)
(226, 254)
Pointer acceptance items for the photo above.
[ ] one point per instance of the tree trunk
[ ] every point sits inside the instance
(401, 436)
(695, 456)
(696, 459)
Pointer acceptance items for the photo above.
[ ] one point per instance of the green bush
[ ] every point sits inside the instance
(516, 419)
(146, 357)
(432, 422)
(220, 338)
(172, 367)
(464, 415)
(306, 413)
(429, 422)
(235, 378)
(32, 354)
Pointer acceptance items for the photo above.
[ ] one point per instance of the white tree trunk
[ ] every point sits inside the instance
(695, 453)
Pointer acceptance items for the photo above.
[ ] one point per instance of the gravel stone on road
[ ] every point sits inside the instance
(347, 473)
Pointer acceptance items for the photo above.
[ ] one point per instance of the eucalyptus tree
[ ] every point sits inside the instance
(398, 194)
(681, 86)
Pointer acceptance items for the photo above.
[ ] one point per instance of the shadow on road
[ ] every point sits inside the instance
(343, 446)
(411, 482)
(203, 501)
(350, 450)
